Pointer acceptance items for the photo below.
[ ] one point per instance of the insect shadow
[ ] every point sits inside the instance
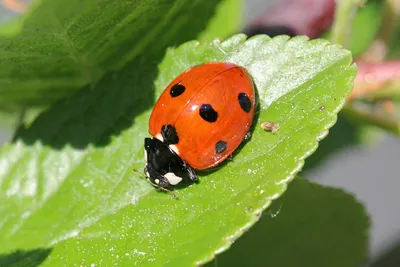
(101, 110)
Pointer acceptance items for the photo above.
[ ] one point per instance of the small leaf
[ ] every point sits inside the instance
(311, 225)
(394, 49)
(67, 182)
(358, 37)
(362, 37)
(344, 15)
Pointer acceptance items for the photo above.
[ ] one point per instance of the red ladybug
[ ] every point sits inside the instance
(198, 121)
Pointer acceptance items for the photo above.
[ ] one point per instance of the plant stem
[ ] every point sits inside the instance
(390, 21)
(371, 118)
(390, 92)
(344, 15)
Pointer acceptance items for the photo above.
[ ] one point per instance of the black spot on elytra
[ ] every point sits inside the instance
(177, 90)
(220, 147)
(244, 102)
(208, 113)
(169, 134)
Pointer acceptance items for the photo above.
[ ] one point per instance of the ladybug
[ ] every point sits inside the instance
(199, 120)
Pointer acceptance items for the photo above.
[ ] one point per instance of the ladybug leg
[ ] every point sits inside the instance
(156, 179)
(247, 136)
(230, 157)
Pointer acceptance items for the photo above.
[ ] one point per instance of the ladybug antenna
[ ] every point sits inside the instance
(172, 193)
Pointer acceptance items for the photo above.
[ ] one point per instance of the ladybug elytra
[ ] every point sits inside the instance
(199, 120)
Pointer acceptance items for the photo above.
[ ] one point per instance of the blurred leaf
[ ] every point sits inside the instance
(8, 120)
(394, 49)
(366, 26)
(373, 115)
(334, 143)
(356, 134)
(311, 225)
(365, 22)
(227, 20)
(67, 182)
(65, 45)
(344, 16)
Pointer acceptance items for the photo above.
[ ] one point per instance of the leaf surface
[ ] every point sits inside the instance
(66, 45)
(67, 180)
(311, 225)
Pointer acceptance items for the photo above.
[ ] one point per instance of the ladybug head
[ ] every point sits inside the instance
(164, 168)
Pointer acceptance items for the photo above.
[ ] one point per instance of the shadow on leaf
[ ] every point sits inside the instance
(29, 258)
(100, 111)
(310, 225)
(389, 259)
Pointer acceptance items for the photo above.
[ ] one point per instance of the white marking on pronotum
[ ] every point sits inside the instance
(172, 178)
(159, 137)
(174, 148)
(156, 181)
(145, 156)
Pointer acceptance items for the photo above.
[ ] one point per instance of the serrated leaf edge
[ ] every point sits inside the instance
(255, 216)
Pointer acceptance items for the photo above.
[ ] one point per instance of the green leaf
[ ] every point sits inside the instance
(394, 48)
(227, 20)
(344, 16)
(311, 225)
(365, 26)
(65, 45)
(365, 20)
(66, 182)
